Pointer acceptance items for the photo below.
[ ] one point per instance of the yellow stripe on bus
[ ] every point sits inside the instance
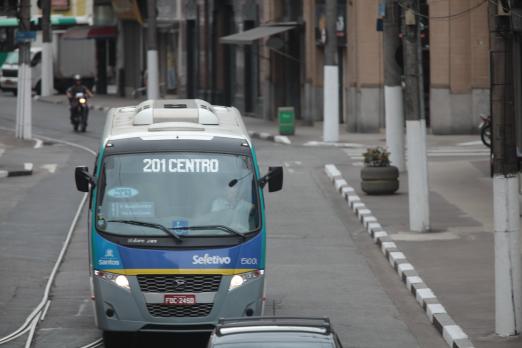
(179, 271)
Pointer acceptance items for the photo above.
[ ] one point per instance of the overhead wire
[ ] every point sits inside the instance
(441, 18)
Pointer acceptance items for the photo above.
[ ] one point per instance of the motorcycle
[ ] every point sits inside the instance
(485, 130)
(80, 112)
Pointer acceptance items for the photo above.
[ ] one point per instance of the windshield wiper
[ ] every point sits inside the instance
(212, 227)
(151, 225)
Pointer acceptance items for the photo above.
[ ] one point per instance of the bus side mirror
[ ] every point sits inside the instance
(274, 178)
(83, 179)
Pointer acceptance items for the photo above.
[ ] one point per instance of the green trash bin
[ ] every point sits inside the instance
(286, 118)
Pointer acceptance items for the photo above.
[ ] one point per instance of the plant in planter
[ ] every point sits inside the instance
(378, 176)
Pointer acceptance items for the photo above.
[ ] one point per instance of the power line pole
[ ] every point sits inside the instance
(392, 85)
(418, 193)
(23, 102)
(508, 292)
(331, 76)
(152, 52)
(47, 84)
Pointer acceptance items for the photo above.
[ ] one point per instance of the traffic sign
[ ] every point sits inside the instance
(25, 36)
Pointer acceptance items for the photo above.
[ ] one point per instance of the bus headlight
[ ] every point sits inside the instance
(239, 280)
(117, 279)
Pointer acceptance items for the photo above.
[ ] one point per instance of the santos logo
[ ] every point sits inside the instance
(210, 260)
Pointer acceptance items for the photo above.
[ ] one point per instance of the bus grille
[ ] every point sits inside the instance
(197, 310)
(194, 283)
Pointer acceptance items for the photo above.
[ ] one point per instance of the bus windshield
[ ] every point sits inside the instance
(215, 194)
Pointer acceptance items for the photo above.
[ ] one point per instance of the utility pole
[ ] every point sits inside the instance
(47, 85)
(392, 85)
(418, 193)
(23, 102)
(508, 292)
(331, 77)
(152, 52)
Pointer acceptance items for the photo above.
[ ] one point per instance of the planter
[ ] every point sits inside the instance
(380, 180)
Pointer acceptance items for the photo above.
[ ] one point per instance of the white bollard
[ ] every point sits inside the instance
(394, 125)
(152, 75)
(418, 193)
(331, 103)
(47, 81)
(508, 302)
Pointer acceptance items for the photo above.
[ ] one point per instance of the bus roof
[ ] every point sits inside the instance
(170, 118)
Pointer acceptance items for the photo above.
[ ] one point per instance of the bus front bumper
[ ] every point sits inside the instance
(120, 309)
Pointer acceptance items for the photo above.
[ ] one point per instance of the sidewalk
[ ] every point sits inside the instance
(455, 259)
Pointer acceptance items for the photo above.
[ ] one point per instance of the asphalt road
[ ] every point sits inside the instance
(320, 262)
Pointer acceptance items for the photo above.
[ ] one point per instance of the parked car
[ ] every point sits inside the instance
(9, 71)
(274, 332)
(71, 56)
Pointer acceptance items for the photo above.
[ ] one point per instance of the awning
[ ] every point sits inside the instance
(98, 32)
(247, 37)
(55, 21)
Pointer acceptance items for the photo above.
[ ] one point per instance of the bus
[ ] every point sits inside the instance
(176, 221)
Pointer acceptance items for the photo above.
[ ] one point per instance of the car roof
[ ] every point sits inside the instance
(320, 326)
(272, 336)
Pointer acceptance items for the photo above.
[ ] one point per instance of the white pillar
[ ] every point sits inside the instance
(508, 288)
(331, 104)
(394, 125)
(152, 75)
(23, 103)
(47, 69)
(418, 192)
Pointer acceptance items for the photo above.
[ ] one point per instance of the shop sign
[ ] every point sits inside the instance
(127, 10)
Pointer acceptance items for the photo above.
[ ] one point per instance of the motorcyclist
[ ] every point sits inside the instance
(78, 87)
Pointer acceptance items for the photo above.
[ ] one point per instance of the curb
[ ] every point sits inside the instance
(27, 170)
(281, 139)
(452, 333)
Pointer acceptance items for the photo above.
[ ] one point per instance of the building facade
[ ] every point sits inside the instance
(264, 54)
(459, 56)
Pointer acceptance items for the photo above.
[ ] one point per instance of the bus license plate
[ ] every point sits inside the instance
(180, 300)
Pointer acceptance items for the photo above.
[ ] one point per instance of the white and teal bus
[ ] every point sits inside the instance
(176, 219)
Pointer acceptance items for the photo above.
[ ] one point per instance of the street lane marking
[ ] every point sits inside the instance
(282, 139)
(38, 143)
(322, 143)
(50, 167)
(471, 143)
(81, 308)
